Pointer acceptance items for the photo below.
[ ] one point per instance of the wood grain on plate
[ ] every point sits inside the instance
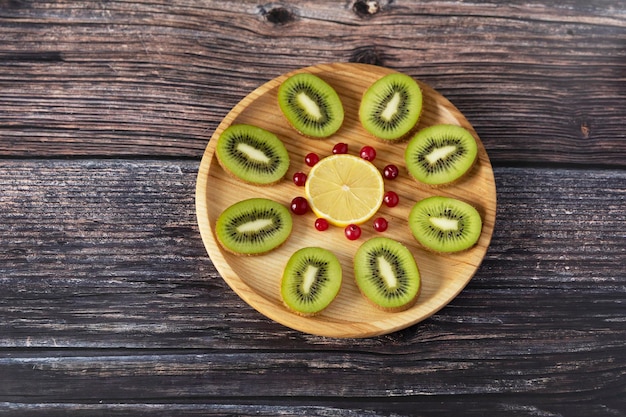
(256, 279)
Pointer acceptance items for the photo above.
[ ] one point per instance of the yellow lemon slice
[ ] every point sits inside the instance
(344, 189)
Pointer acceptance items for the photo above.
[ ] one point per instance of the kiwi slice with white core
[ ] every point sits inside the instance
(311, 281)
(440, 154)
(252, 154)
(310, 105)
(391, 106)
(386, 274)
(253, 226)
(445, 224)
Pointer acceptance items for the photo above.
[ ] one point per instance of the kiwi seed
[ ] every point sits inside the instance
(386, 274)
(311, 281)
(440, 154)
(391, 107)
(252, 154)
(445, 224)
(253, 226)
(311, 105)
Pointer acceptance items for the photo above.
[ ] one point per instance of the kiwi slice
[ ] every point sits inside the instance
(445, 224)
(391, 107)
(253, 226)
(252, 154)
(386, 274)
(311, 281)
(440, 154)
(311, 105)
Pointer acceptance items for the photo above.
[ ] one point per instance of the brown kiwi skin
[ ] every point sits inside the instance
(430, 250)
(404, 138)
(467, 174)
(284, 117)
(304, 135)
(434, 252)
(401, 139)
(234, 176)
(300, 313)
(397, 309)
(407, 135)
(247, 255)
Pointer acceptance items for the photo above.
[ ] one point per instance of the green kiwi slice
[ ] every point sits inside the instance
(311, 281)
(445, 224)
(311, 105)
(253, 226)
(391, 106)
(440, 154)
(386, 274)
(252, 154)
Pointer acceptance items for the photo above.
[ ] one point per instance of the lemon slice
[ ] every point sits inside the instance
(344, 189)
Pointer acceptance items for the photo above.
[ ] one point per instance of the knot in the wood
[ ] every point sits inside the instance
(585, 130)
(582, 127)
(278, 15)
(366, 8)
(367, 55)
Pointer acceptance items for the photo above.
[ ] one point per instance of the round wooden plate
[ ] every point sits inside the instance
(256, 279)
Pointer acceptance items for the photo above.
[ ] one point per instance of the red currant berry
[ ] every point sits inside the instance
(340, 148)
(321, 224)
(299, 205)
(380, 224)
(391, 199)
(368, 153)
(391, 172)
(353, 232)
(299, 178)
(311, 159)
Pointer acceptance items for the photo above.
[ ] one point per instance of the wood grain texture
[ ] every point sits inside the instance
(76, 246)
(110, 306)
(113, 289)
(541, 83)
(257, 279)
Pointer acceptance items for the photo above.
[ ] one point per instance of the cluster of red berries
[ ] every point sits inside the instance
(300, 205)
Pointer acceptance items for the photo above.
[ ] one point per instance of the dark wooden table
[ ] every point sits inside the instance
(109, 304)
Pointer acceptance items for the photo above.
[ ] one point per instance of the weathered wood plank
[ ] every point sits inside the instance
(110, 306)
(107, 254)
(541, 83)
(364, 407)
(318, 377)
(105, 284)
